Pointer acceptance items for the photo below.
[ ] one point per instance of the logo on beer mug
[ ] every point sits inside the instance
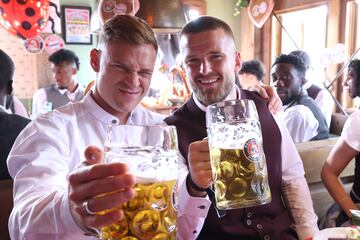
(252, 150)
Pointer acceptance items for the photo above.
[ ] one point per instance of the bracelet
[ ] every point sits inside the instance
(193, 185)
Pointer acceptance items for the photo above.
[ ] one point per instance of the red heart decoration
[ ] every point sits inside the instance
(24, 18)
(259, 11)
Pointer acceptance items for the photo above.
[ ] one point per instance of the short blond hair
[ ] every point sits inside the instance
(127, 28)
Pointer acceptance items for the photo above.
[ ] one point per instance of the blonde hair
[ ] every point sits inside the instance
(127, 28)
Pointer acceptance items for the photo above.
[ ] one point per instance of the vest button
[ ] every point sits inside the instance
(259, 226)
(113, 121)
(202, 207)
(248, 222)
(249, 214)
(267, 237)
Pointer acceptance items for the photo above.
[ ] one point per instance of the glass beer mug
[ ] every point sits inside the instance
(237, 157)
(151, 153)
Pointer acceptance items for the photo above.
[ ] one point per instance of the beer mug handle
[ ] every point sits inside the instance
(211, 193)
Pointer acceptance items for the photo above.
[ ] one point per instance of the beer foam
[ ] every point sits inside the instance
(148, 180)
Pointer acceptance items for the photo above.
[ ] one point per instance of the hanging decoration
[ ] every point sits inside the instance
(53, 43)
(259, 11)
(34, 45)
(23, 18)
(336, 54)
(109, 8)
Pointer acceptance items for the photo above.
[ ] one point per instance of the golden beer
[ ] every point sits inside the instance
(149, 215)
(151, 155)
(239, 180)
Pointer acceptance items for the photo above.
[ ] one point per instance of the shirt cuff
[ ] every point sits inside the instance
(192, 206)
(70, 226)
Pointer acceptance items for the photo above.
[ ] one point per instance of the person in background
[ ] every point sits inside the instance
(10, 124)
(302, 116)
(212, 63)
(352, 82)
(346, 149)
(321, 96)
(251, 73)
(64, 66)
(14, 105)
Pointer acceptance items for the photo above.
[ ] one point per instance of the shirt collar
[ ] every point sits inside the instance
(2, 109)
(102, 115)
(234, 94)
(63, 91)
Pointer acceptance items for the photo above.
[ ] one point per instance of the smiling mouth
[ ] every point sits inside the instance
(130, 92)
(208, 81)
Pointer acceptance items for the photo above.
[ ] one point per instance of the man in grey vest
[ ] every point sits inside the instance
(302, 116)
(64, 66)
(321, 96)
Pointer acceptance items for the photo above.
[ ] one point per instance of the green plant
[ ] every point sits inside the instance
(239, 4)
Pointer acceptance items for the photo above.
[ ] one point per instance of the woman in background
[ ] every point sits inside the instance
(346, 149)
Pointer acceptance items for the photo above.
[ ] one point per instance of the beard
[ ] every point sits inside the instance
(211, 96)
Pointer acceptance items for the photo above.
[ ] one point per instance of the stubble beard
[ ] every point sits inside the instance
(212, 96)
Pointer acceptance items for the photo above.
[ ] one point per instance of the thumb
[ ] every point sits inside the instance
(94, 155)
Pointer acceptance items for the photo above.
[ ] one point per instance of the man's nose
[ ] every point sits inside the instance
(133, 78)
(205, 67)
(279, 83)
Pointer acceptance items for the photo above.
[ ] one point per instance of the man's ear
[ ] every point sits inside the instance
(74, 70)
(303, 81)
(9, 88)
(237, 61)
(95, 59)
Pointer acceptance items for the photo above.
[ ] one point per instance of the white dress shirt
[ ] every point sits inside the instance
(301, 123)
(42, 157)
(324, 101)
(193, 210)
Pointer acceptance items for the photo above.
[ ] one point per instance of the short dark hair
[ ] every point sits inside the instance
(64, 55)
(294, 60)
(355, 65)
(6, 69)
(130, 29)
(254, 67)
(206, 23)
(304, 57)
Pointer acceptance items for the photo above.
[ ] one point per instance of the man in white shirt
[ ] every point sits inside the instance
(321, 96)
(211, 63)
(54, 191)
(64, 66)
(302, 116)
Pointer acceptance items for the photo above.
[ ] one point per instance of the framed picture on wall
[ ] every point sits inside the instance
(76, 24)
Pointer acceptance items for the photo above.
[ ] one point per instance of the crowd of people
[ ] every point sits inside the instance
(55, 158)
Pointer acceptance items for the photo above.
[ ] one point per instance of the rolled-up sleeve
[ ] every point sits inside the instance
(294, 186)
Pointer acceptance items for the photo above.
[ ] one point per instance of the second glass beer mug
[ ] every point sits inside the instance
(237, 157)
(151, 154)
